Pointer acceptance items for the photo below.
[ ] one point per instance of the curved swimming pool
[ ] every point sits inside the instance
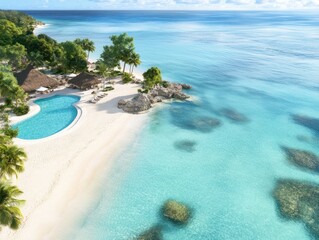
(56, 113)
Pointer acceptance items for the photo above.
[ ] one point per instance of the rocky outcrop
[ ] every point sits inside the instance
(142, 101)
(139, 103)
(185, 86)
(170, 91)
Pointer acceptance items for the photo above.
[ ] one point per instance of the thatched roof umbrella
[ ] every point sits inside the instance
(31, 79)
(85, 81)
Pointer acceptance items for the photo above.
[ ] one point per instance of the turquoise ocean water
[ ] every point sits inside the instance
(261, 64)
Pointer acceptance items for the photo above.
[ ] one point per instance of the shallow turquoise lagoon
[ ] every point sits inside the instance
(261, 64)
(56, 113)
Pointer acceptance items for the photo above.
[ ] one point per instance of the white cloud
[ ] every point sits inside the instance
(212, 4)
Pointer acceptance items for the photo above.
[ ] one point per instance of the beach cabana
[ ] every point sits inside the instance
(31, 79)
(85, 81)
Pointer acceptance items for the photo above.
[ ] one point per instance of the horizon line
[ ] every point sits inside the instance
(157, 10)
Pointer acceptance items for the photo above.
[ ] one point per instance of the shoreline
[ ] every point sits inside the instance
(63, 174)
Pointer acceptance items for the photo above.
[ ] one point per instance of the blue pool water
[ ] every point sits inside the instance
(57, 112)
(261, 64)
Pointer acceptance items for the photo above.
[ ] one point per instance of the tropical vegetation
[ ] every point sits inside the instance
(120, 53)
(152, 77)
(12, 160)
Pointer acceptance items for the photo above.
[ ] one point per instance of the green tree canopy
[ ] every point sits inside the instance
(121, 49)
(15, 55)
(74, 59)
(25, 22)
(8, 31)
(110, 58)
(9, 87)
(152, 77)
(86, 44)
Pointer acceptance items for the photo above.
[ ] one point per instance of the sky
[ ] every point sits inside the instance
(158, 4)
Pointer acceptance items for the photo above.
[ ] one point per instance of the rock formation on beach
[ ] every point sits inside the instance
(302, 158)
(298, 201)
(143, 101)
(139, 103)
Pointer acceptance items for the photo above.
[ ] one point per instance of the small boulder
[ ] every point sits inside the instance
(139, 103)
(121, 103)
(185, 86)
(176, 212)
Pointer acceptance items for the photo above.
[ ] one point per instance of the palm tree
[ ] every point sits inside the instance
(102, 68)
(135, 61)
(11, 161)
(126, 56)
(10, 214)
(86, 44)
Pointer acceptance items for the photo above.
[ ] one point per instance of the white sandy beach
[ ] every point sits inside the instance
(63, 171)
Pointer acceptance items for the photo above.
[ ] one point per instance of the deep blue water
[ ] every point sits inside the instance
(261, 64)
(56, 113)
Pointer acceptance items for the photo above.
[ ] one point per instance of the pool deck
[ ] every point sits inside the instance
(63, 172)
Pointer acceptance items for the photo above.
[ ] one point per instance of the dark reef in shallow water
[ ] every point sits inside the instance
(298, 201)
(176, 212)
(186, 117)
(233, 115)
(205, 124)
(313, 140)
(185, 145)
(302, 158)
(153, 233)
(308, 122)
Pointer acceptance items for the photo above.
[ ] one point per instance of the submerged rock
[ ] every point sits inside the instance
(185, 145)
(205, 124)
(154, 233)
(299, 201)
(308, 122)
(233, 115)
(176, 212)
(137, 104)
(314, 140)
(302, 158)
